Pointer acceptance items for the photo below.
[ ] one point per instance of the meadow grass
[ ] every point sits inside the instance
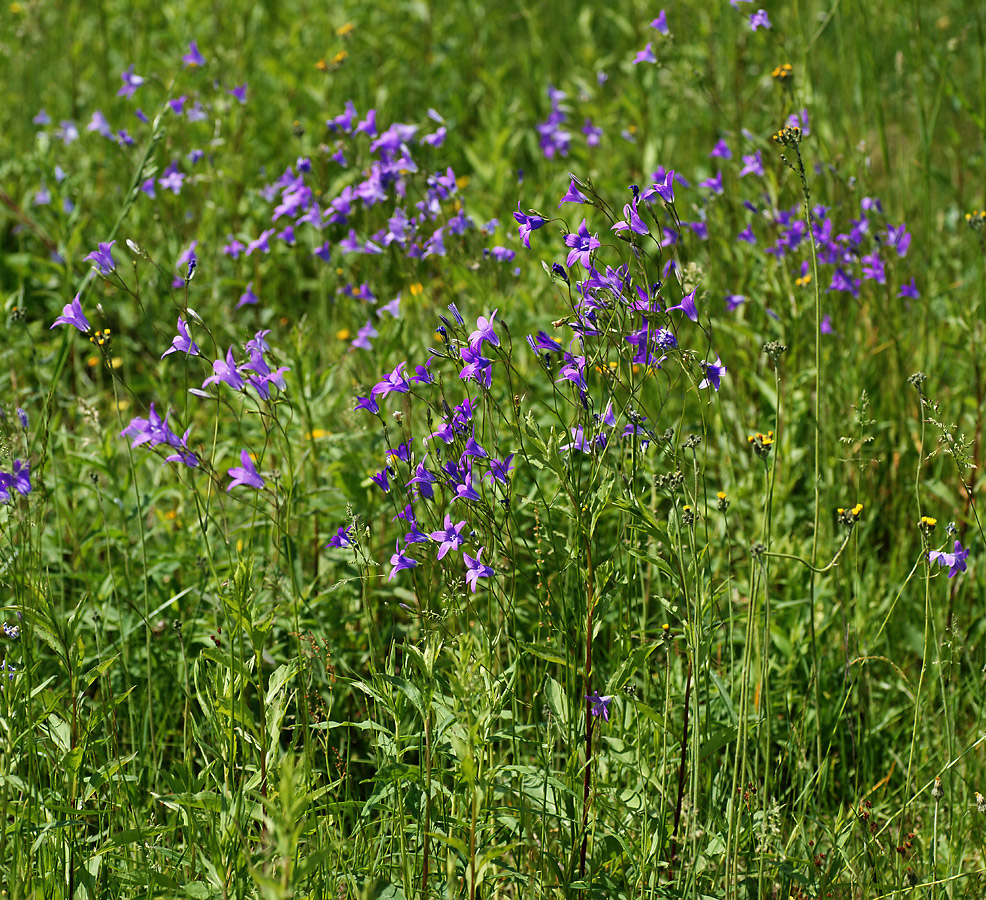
(636, 562)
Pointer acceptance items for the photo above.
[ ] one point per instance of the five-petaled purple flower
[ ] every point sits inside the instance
(225, 370)
(450, 537)
(582, 245)
(484, 332)
(21, 477)
(955, 560)
(527, 225)
(713, 374)
(632, 222)
(599, 705)
(246, 474)
(661, 23)
(400, 561)
(395, 381)
(475, 569)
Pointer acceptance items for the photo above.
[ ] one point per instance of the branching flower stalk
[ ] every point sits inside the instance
(791, 137)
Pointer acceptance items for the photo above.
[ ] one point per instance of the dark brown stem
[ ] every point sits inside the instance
(681, 766)
(27, 221)
(587, 776)
(424, 866)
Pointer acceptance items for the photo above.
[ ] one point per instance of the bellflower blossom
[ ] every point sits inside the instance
(582, 244)
(399, 561)
(475, 569)
(21, 478)
(599, 705)
(193, 57)
(484, 332)
(450, 536)
(632, 222)
(527, 224)
(130, 83)
(646, 55)
(246, 474)
(225, 371)
(956, 560)
(572, 195)
(759, 19)
(687, 306)
(753, 165)
(182, 342)
(341, 538)
(72, 315)
(713, 374)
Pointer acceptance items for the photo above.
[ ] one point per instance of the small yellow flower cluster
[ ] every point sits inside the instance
(976, 219)
(850, 517)
(101, 338)
(803, 280)
(761, 443)
(783, 72)
(927, 524)
(788, 136)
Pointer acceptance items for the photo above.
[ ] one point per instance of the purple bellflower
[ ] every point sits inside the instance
(450, 537)
(713, 374)
(182, 342)
(193, 57)
(954, 560)
(475, 569)
(225, 371)
(582, 244)
(72, 315)
(399, 561)
(599, 705)
(103, 258)
(484, 332)
(341, 538)
(527, 223)
(246, 474)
